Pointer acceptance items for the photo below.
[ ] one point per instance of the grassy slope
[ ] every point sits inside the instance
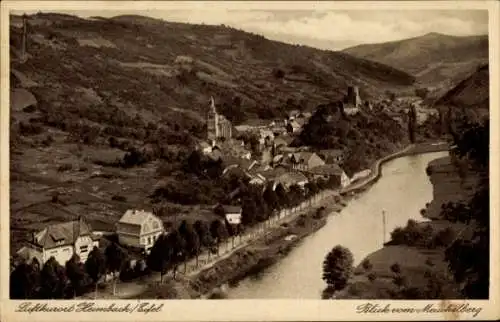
(437, 60)
(120, 74)
(472, 92)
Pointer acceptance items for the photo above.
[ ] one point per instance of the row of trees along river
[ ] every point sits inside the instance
(183, 243)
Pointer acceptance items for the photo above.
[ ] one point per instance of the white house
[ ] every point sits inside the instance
(139, 228)
(327, 171)
(61, 241)
(232, 214)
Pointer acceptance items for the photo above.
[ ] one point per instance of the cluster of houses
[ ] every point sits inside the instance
(278, 163)
(137, 230)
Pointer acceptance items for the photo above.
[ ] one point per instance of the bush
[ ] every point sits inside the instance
(444, 237)
(372, 277)
(64, 167)
(396, 268)
(412, 235)
(119, 198)
(367, 265)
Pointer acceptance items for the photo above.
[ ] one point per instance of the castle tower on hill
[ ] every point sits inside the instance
(217, 125)
(353, 97)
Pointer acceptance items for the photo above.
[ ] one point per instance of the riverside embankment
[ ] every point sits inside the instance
(258, 251)
(298, 275)
(417, 262)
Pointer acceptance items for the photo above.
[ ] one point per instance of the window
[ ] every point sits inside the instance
(66, 250)
(53, 252)
(83, 249)
(149, 240)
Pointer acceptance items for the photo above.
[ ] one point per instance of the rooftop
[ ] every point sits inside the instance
(61, 234)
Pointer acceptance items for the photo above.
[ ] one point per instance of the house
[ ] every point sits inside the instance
(291, 178)
(293, 126)
(139, 229)
(304, 160)
(280, 175)
(361, 174)
(329, 171)
(334, 156)
(232, 214)
(61, 241)
(282, 141)
(252, 124)
(205, 148)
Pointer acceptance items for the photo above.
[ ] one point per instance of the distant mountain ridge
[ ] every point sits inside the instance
(433, 58)
(179, 66)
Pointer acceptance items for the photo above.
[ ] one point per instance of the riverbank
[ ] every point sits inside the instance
(412, 149)
(417, 264)
(249, 260)
(260, 253)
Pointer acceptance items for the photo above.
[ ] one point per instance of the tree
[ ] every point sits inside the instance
(204, 236)
(177, 245)
(95, 266)
(312, 189)
(159, 257)
(367, 265)
(396, 268)
(192, 240)
(24, 281)
(271, 198)
(76, 273)
(338, 267)
(249, 211)
(53, 280)
(115, 259)
(218, 232)
(283, 199)
(295, 195)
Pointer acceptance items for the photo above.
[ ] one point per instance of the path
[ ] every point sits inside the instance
(134, 288)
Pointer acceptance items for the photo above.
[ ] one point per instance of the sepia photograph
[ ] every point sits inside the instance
(293, 154)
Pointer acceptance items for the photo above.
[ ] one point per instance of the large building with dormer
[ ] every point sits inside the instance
(61, 241)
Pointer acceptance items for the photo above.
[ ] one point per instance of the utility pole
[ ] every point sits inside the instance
(383, 225)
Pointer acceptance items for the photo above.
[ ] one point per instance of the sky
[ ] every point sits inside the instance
(322, 28)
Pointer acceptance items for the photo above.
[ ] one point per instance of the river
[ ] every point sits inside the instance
(401, 192)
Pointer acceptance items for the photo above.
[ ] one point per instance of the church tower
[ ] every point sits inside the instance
(212, 122)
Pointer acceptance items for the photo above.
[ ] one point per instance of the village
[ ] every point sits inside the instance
(262, 152)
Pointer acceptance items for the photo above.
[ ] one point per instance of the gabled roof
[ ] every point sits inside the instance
(327, 169)
(291, 178)
(273, 173)
(63, 233)
(135, 217)
(231, 209)
(283, 140)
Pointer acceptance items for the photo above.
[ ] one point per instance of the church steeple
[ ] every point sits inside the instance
(212, 105)
(212, 121)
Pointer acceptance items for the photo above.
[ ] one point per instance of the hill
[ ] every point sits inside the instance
(105, 110)
(470, 93)
(436, 60)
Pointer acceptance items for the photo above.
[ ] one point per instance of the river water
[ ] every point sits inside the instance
(401, 192)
